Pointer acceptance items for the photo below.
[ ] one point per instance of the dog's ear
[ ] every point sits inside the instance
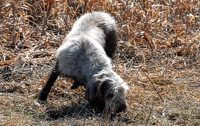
(103, 87)
(95, 90)
(107, 90)
(91, 91)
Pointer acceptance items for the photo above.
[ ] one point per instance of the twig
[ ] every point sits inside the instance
(65, 21)
(171, 11)
(46, 17)
(149, 116)
(14, 27)
(153, 85)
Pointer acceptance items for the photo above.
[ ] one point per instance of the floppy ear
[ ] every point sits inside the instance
(95, 91)
(103, 87)
(90, 93)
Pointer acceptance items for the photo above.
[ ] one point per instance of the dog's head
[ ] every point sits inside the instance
(108, 94)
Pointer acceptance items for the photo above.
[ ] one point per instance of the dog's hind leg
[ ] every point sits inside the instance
(47, 87)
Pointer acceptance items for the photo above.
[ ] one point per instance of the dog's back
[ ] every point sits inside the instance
(97, 25)
(94, 20)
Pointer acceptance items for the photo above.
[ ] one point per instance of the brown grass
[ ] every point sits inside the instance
(158, 55)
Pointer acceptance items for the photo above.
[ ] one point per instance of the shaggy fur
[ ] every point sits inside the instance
(85, 57)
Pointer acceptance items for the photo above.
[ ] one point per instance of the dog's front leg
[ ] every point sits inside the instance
(47, 87)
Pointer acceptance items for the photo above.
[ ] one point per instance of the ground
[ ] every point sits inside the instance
(158, 55)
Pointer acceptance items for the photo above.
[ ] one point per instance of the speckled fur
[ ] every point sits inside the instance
(85, 56)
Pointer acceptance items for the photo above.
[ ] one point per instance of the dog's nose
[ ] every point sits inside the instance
(121, 108)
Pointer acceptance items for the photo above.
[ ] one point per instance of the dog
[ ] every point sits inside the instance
(85, 56)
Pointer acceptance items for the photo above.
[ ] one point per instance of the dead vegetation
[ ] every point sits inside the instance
(158, 55)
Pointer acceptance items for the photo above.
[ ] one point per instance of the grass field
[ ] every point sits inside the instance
(158, 55)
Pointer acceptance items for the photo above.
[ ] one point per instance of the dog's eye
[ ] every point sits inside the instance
(111, 95)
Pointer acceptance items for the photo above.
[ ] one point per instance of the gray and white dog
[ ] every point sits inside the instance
(85, 56)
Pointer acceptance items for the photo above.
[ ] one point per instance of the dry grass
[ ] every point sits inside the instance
(158, 55)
